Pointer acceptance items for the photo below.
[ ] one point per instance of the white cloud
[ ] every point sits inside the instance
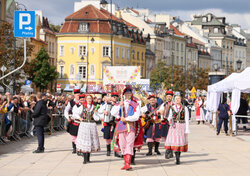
(231, 18)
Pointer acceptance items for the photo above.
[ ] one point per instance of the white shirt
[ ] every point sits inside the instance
(77, 112)
(170, 117)
(116, 112)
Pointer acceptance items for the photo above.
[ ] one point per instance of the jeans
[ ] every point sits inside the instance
(40, 137)
(221, 120)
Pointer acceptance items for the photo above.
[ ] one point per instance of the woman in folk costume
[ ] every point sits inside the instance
(199, 111)
(87, 139)
(72, 113)
(128, 112)
(177, 139)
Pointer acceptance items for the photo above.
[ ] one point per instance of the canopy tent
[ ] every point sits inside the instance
(235, 83)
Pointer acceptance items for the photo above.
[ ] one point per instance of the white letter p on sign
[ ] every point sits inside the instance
(21, 20)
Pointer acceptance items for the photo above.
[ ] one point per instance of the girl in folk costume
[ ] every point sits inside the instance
(87, 139)
(72, 113)
(177, 139)
(199, 112)
(128, 112)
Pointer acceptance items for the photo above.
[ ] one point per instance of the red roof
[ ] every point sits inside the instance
(39, 40)
(176, 31)
(135, 11)
(192, 45)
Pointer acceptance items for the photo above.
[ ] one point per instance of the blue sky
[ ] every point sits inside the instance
(236, 11)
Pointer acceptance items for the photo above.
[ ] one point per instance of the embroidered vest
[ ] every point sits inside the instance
(179, 117)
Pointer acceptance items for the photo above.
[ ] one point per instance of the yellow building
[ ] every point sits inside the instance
(85, 35)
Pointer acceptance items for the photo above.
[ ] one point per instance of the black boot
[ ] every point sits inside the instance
(167, 154)
(88, 157)
(74, 148)
(157, 148)
(171, 154)
(117, 155)
(85, 158)
(133, 158)
(177, 155)
(108, 150)
(150, 146)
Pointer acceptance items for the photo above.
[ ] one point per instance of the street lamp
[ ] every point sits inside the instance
(238, 63)
(172, 70)
(104, 3)
(216, 66)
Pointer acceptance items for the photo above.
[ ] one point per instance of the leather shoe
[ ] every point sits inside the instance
(38, 151)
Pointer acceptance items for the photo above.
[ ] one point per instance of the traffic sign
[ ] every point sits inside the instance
(24, 24)
(193, 96)
(3, 68)
(28, 83)
(193, 90)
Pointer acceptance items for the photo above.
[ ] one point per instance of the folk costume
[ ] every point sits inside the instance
(165, 107)
(108, 124)
(199, 111)
(87, 139)
(153, 131)
(127, 130)
(177, 139)
(72, 113)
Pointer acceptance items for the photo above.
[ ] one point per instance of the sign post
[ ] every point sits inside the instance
(24, 26)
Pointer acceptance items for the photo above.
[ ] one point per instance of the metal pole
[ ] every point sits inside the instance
(227, 66)
(87, 64)
(111, 34)
(14, 75)
(172, 71)
(24, 61)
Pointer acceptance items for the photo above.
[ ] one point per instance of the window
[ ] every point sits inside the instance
(72, 50)
(216, 30)
(61, 50)
(177, 60)
(53, 47)
(117, 52)
(83, 27)
(123, 53)
(177, 46)
(72, 71)
(204, 19)
(61, 71)
(128, 54)
(182, 47)
(82, 71)
(105, 51)
(182, 61)
(173, 45)
(82, 50)
(138, 55)
(92, 71)
(142, 58)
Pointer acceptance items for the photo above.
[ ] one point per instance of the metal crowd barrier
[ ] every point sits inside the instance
(22, 125)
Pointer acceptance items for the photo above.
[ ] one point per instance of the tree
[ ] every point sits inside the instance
(55, 28)
(7, 54)
(40, 71)
(161, 77)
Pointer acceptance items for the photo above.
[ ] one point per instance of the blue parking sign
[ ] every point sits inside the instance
(24, 24)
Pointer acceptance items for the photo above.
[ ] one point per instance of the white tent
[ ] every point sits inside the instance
(235, 83)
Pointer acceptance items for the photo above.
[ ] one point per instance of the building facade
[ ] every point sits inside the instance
(85, 35)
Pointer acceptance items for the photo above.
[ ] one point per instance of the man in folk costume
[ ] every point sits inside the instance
(177, 139)
(164, 110)
(128, 112)
(73, 116)
(108, 121)
(153, 130)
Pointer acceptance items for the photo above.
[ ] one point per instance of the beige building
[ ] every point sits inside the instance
(216, 29)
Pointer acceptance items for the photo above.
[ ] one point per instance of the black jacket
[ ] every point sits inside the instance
(40, 114)
(243, 107)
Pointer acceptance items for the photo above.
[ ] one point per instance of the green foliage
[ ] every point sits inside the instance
(55, 28)
(41, 72)
(161, 77)
(7, 54)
